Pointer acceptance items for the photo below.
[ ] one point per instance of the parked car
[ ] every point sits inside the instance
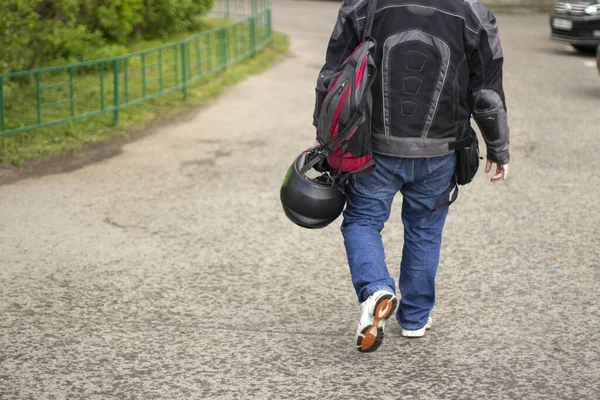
(576, 23)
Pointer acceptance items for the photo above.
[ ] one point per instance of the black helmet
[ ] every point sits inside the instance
(311, 202)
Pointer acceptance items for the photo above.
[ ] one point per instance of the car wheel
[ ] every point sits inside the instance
(585, 48)
(598, 58)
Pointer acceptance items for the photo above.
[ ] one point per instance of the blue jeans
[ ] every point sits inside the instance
(421, 181)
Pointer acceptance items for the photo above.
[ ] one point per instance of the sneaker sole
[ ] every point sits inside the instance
(371, 336)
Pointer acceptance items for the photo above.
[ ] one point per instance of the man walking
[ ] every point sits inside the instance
(439, 63)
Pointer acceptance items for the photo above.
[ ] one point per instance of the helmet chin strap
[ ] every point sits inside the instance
(317, 158)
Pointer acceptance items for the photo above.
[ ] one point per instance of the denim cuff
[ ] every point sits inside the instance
(372, 289)
(411, 328)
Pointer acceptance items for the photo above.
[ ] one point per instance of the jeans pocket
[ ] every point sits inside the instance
(380, 178)
(440, 171)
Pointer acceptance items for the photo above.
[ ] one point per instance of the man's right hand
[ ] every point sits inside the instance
(501, 171)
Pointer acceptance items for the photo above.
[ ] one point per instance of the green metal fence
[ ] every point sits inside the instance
(62, 94)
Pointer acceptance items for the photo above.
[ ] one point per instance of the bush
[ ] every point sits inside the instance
(120, 20)
(164, 17)
(40, 33)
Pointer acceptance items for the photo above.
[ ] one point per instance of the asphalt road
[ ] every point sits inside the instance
(170, 271)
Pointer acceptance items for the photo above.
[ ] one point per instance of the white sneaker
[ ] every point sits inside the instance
(374, 311)
(419, 332)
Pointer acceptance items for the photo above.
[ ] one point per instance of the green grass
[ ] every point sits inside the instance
(204, 68)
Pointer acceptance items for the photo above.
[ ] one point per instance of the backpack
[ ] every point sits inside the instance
(344, 109)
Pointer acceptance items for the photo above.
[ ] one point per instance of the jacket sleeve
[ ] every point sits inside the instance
(342, 42)
(487, 101)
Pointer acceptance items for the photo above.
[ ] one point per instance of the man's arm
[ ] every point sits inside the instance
(343, 41)
(486, 90)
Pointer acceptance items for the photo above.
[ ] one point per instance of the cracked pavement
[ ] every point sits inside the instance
(171, 272)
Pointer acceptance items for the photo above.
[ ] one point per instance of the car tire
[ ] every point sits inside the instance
(598, 58)
(585, 48)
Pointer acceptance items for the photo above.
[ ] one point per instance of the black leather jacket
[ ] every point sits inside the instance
(439, 63)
